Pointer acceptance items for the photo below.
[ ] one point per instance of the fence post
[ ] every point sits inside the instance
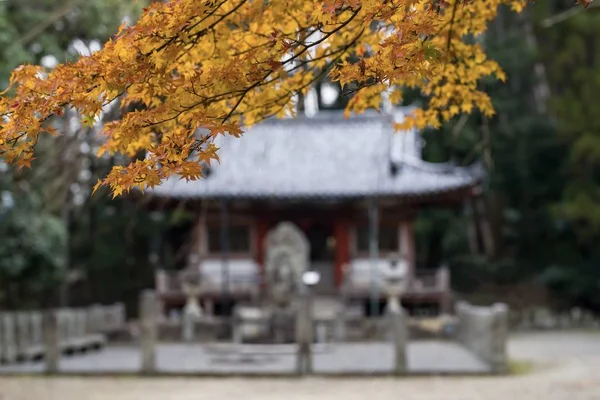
(399, 330)
(499, 361)
(148, 330)
(51, 341)
(304, 334)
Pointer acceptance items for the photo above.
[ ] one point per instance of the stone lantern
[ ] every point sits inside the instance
(394, 281)
(192, 311)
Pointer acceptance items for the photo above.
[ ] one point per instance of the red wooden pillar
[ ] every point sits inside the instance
(342, 248)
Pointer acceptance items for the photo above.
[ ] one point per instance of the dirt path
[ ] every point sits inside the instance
(571, 371)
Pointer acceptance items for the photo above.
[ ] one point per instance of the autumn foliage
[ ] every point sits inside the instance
(191, 70)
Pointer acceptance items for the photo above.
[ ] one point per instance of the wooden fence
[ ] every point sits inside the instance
(34, 335)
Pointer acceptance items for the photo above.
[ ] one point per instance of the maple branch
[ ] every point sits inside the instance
(315, 79)
(452, 18)
(173, 38)
(244, 93)
(263, 81)
(227, 14)
(324, 38)
(214, 65)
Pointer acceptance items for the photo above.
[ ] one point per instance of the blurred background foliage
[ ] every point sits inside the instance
(529, 239)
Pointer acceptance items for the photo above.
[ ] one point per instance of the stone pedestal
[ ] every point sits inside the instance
(282, 324)
(149, 307)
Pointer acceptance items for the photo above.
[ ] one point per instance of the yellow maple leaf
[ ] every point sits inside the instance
(189, 66)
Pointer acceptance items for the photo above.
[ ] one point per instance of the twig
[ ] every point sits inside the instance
(565, 15)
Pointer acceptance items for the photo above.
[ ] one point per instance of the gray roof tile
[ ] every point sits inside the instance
(323, 156)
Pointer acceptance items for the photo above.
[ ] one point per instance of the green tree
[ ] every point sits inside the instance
(33, 29)
(34, 241)
(571, 52)
(522, 157)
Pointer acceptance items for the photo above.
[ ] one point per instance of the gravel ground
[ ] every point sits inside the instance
(568, 368)
(424, 356)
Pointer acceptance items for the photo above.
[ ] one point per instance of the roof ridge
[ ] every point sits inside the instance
(335, 116)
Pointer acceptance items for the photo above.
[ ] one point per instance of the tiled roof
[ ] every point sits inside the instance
(323, 156)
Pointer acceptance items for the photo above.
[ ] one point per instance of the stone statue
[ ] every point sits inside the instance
(287, 259)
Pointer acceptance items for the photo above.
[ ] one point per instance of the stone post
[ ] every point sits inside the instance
(51, 341)
(148, 330)
(484, 331)
(304, 334)
(499, 359)
(399, 332)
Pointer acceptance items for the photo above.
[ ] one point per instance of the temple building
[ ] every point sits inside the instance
(352, 185)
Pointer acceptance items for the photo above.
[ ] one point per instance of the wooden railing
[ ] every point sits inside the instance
(169, 283)
(423, 282)
(24, 335)
(438, 280)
